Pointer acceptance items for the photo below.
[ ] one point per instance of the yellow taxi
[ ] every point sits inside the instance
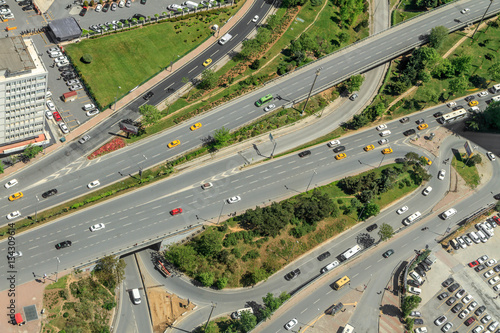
(422, 126)
(368, 148)
(195, 126)
(473, 103)
(428, 161)
(340, 156)
(174, 143)
(387, 151)
(207, 62)
(16, 196)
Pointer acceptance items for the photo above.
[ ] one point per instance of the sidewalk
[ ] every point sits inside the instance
(390, 314)
(93, 122)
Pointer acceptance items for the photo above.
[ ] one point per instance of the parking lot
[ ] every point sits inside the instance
(451, 298)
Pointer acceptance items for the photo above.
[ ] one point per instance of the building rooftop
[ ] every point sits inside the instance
(14, 56)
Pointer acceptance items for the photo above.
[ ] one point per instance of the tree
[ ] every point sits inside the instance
(462, 64)
(222, 282)
(87, 58)
(316, 3)
(221, 138)
(437, 36)
(492, 115)
(494, 71)
(409, 303)
(150, 114)
(271, 302)
(247, 321)
(1, 167)
(371, 209)
(273, 22)
(209, 244)
(385, 231)
(354, 83)
(474, 159)
(209, 80)
(30, 152)
(206, 278)
(110, 270)
(343, 37)
(458, 84)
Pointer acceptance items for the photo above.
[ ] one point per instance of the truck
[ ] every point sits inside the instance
(495, 89)
(224, 39)
(190, 4)
(351, 252)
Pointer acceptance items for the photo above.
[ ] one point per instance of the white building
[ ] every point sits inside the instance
(23, 85)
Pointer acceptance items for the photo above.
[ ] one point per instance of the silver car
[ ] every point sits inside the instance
(234, 199)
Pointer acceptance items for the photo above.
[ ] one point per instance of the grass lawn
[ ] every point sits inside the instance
(61, 283)
(468, 173)
(129, 58)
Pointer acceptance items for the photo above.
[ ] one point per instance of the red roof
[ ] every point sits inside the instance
(70, 93)
(19, 318)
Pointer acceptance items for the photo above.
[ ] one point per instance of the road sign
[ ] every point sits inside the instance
(271, 137)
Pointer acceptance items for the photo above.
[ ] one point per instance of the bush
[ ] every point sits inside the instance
(255, 64)
(87, 58)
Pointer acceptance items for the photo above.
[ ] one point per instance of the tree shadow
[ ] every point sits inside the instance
(390, 310)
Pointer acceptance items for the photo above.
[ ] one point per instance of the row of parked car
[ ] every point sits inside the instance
(485, 231)
(484, 262)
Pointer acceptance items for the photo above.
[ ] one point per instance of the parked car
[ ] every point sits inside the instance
(51, 105)
(64, 128)
(448, 282)
(76, 87)
(57, 116)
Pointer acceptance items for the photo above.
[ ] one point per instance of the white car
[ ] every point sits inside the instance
(64, 128)
(441, 174)
(333, 143)
(11, 183)
(440, 320)
(14, 254)
(462, 243)
(492, 326)
(76, 87)
(467, 240)
(49, 115)
(93, 184)
(463, 314)
(478, 329)
(55, 54)
(98, 8)
(465, 10)
(491, 262)
(234, 199)
(402, 210)
(451, 104)
(97, 226)
(13, 215)
(61, 58)
(291, 324)
(488, 273)
(84, 139)
(48, 94)
(51, 105)
(383, 141)
(88, 107)
(427, 190)
(467, 299)
(483, 93)
(92, 113)
(62, 63)
(269, 107)
(72, 82)
(121, 4)
(421, 329)
(494, 280)
(255, 18)
(482, 259)
(128, 3)
(490, 155)
(381, 127)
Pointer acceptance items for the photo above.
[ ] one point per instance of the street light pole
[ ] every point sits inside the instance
(310, 91)
(482, 18)
(116, 97)
(222, 208)
(307, 189)
(57, 270)
(36, 208)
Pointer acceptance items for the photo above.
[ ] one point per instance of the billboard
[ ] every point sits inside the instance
(469, 150)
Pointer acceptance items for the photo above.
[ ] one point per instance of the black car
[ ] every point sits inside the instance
(404, 120)
(470, 98)
(428, 262)
(138, 17)
(4, 7)
(353, 96)
(63, 244)
(143, 2)
(292, 275)
(451, 300)
(105, 7)
(49, 193)
(409, 132)
(420, 271)
(480, 268)
(458, 107)
(418, 321)
(24, 3)
(496, 196)
(480, 310)
(305, 153)
(496, 268)
(323, 256)
(372, 227)
(148, 95)
(338, 149)
(400, 160)
(448, 282)
(453, 287)
(65, 68)
(388, 253)
(443, 295)
(28, 7)
(457, 307)
(424, 266)
(437, 114)
(83, 11)
(420, 121)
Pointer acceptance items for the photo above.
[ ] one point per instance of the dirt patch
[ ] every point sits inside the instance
(166, 308)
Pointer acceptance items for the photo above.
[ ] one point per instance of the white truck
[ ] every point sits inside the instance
(190, 4)
(224, 39)
(349, 253)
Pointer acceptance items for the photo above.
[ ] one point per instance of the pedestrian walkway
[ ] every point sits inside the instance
(390, 313)
(92, 123)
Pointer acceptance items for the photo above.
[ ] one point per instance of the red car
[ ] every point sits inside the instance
(57, 116)
(470, 321)
(496, 219)
(176, 211)
(474, 263)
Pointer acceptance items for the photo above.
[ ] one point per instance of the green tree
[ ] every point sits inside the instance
(462, 64)
(458, 84)
(222, 282)
(87, 58)
(385, 232)
(343, 37)
(409, 303)
(209, 244)
(316, 3)
(494, 71)
(30, 152)
(206, 278)
(247, 321)
(209, 80)
(474, 160)
(221, 138)
(492, 115)
(354, 83)
(1, 167)
(110, 271)
(271, 302)
(150, 114)
(371, 209)
(273, 22)
(437, 36)
(183, 256)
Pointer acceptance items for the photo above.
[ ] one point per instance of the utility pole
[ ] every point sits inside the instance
(36, 208)
(310, 91)
(116, 97)
(314, 173)
(222, 208)
(57, 270)
(210, 315)
(482, 18)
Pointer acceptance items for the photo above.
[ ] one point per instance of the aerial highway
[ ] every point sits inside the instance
(333, 69)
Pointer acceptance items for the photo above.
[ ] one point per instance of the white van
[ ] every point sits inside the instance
(237, 314)
(482, 236)
(412, 218)
(385, 133)
(136, 297)
(454, 244)
(224, 39)
(329, 267)
(449, 213)
(474, 109)
(472, 235)
(487, 232)
(413, 290)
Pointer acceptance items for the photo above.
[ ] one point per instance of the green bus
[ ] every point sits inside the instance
(264, 99)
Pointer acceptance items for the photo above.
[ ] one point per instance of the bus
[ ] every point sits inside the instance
(495, 89)
(349, 253)
(340, 283)
(412, 218)
(495, 98)
(264, 100)
(457, 114)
